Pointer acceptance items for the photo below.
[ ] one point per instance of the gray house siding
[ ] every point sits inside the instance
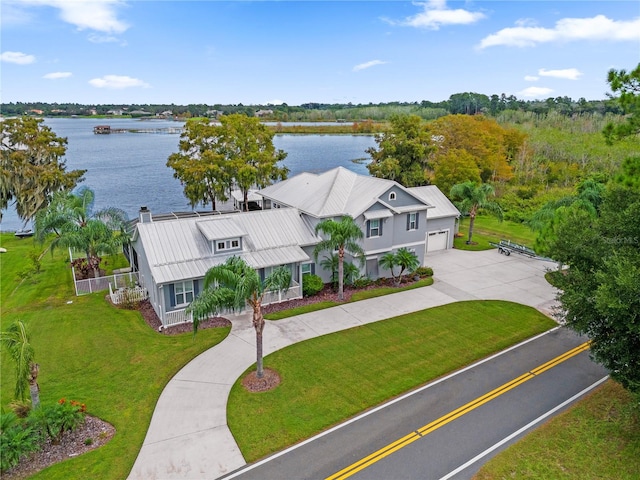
(444, 223)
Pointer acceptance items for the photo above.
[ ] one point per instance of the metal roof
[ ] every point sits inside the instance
(432, 195)
(180, 249)
(333, 193)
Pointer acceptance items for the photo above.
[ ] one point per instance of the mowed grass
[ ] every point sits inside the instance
(331, 378)
(489, 229)
(91, 352)
(599, 438)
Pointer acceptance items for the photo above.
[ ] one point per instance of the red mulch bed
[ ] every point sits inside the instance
(269, 381)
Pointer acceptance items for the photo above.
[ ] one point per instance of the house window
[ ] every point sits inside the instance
(412, 221)
(392, 196)
(306, 269)
(183, 292)
(374, 229)
(232, 244)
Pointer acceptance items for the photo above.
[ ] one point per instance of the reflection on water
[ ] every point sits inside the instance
(128, 170)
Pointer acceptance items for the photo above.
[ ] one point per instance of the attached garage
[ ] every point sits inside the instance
(437, 240)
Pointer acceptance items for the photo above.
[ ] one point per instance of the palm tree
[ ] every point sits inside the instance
(403, 258)
(342, 235)
(70, 218)
(470, 198)
(16, 341)
(231, 286)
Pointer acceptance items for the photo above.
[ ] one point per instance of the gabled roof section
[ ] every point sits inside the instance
(432, 194)
(333, 193)
(179, 249)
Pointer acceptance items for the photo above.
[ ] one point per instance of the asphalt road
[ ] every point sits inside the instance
(448, 428)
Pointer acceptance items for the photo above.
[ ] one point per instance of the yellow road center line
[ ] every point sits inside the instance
(451, 416)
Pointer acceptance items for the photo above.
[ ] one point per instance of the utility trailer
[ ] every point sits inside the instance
(505, 247)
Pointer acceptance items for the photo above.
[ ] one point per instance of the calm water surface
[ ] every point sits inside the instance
(129, 170)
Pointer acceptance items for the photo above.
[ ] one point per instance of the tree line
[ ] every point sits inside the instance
(468, 103)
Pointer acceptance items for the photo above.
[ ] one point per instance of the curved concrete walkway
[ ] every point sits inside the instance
(188, 437)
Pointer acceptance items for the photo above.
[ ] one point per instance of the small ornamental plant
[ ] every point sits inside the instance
(55, 420)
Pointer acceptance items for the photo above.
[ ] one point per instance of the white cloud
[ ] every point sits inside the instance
(99, 15)
(117, 82)
(436, 14)
(531, 78)
(57, 75)
(17, 57)
(568, 73)
(363, 66)
(535, 92)
(567, 29)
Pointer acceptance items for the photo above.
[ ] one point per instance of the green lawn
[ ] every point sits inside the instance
(91, 352)
(328, 379)
(489, 229)
(599, 438)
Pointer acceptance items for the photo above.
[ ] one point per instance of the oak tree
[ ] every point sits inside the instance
(32, 166)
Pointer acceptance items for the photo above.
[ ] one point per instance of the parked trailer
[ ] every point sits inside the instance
(506, 247)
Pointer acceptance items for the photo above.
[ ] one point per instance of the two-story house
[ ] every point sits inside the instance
(173, 252)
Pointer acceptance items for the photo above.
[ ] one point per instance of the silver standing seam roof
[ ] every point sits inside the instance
(432, 195)
(181, 249)
(333, 193)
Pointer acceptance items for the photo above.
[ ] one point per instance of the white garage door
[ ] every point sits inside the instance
(437, 240)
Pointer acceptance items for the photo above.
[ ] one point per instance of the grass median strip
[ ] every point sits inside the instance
(331, 378)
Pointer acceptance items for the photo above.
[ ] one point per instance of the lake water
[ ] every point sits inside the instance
(128, 170)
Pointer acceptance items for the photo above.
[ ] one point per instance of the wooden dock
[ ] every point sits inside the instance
(107, 130)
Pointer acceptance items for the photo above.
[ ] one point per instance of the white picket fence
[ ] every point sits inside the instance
(134, 294)
(90, 285)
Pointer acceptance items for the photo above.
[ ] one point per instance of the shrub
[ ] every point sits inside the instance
(17, 440)
(362, 282)
(56, 419)
(311, 284)
(424, 272)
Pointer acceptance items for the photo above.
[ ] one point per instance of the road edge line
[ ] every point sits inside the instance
(523, 429)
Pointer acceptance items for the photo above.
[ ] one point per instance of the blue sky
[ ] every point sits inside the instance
(113, 51)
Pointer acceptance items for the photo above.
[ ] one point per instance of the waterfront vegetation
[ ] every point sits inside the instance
(330, 378)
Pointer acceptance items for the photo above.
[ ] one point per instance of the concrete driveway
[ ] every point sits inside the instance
(188, 437)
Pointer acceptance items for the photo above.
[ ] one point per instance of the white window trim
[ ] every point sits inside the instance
(184, 293)
(413, 223)
(392, 196)
(371, 228)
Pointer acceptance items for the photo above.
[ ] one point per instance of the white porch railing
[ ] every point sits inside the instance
(175, 317)
(126, 294)
(90, 285)
(293, 291)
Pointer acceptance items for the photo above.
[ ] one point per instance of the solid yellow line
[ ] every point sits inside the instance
(451, 416)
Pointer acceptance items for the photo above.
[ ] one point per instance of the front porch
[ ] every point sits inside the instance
(175, 317)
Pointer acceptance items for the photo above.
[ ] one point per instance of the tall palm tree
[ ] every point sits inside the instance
(69, 216)
(233, 285)
(341, 236)
(470, 198)
(16, 341)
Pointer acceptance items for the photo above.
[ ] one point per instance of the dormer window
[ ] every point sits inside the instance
(224, 245)
(392, 196)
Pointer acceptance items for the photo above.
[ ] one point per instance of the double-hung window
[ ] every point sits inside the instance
(183, 292)
(374, 227)
(412, 221)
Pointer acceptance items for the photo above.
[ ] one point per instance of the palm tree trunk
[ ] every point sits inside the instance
(258, 324)
(34, 389)
(472, 219)
(341, 274)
